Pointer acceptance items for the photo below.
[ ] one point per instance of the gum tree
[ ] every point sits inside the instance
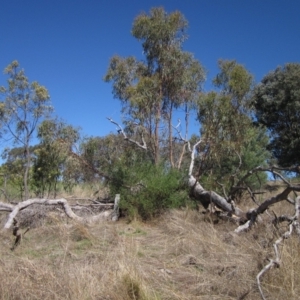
(277, 103)
(25, 104)
(152, 90)
(54, 156)
(232, 144)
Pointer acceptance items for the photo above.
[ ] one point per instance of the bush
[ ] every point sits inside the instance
(147, 190)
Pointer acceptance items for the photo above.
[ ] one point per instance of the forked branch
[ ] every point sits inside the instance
(121, 130)
(276, 261)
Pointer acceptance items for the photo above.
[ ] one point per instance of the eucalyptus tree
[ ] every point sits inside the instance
(54, 159)
(168, 79)
(232, 144)
(25, 104)
(12, 170)
(104, 155)
(277, 102)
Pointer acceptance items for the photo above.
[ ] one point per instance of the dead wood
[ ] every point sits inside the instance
(17, 234)
(276, 261)
(67, 208)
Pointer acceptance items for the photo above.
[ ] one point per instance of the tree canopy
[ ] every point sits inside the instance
(152, 90)
(24, 105)
(277, 103)
(232, 144)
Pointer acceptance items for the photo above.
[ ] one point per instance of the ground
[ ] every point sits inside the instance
(183, 254)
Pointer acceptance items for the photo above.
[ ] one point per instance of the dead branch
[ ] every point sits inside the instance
(15, 209)
(93, 205)
(121, 130)
(271, 169)
(6, 206)
(250, 217)
(204, 196)
(276, 261)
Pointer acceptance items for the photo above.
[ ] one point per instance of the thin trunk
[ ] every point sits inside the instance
(181, 156)
(55, 183)
(157, 121)
(156, 137)
(171, 136)
(27, 153)
(186, 137)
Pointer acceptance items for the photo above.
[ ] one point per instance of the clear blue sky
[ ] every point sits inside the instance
(66, 44)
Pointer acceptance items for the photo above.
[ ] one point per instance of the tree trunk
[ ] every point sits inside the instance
(27, 153)
(171, 136)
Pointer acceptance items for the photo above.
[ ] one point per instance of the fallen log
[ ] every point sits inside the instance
(110, 214)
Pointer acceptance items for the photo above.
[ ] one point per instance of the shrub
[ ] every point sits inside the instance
(148, 190)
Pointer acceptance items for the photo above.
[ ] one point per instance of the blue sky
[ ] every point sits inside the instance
(66, 45)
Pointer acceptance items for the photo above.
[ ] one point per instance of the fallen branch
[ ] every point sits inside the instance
(204, 196)
(276, 262)
(15, 209)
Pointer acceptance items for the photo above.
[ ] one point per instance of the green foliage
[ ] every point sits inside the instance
(104, 153)
(24, 106)
(168, 80)
(234, 80)
(52, 157)
(46, 170)
(12, 172)
(277, 103)
(229, 166)
(232, 144)
(147, 190)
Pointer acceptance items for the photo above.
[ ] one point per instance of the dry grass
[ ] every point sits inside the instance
(178, 256)
(85, 191)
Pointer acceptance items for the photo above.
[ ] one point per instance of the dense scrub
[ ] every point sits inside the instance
(148, 190)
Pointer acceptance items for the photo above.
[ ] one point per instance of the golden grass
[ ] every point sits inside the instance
(178, 256)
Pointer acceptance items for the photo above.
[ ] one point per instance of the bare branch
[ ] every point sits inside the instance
(243, 227)
(143, 146)
(179, 132)
(276, 262)
(252, 195)
(6, 206)
(223, 189)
